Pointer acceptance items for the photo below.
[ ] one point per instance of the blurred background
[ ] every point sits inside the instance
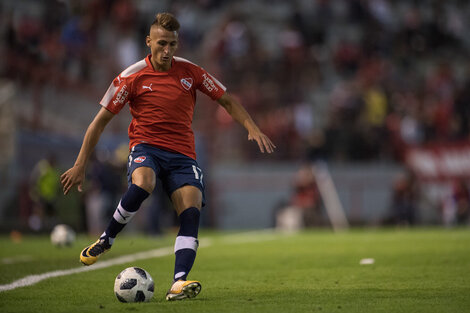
(368, 102)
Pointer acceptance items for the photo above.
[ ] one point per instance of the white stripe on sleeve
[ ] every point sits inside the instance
(108, 96)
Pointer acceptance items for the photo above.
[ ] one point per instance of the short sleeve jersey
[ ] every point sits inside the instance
(161, 103)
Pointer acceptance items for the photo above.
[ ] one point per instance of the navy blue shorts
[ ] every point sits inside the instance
(175, 170)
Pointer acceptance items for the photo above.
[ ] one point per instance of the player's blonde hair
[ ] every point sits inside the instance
(166, 20)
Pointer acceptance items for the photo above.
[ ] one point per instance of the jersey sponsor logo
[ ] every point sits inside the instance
(149, 87)
(122, 95)
(186, 83)
(140, 159)
(209, 83)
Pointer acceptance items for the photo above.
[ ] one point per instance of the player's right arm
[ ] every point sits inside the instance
(76, 174)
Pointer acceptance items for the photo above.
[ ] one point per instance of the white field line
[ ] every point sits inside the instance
(156, 253)
(34, 279)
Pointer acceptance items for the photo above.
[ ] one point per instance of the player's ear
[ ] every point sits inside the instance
(147, 41)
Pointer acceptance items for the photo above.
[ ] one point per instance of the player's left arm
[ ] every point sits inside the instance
(238, 113)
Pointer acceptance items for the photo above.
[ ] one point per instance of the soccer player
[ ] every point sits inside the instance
(160, 91)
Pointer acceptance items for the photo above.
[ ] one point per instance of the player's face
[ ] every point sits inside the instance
(163, 45)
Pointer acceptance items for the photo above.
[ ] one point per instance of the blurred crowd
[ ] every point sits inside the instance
(342, 79)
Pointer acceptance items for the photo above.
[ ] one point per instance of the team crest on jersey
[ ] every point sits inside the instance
(186, 83)
(140, 159)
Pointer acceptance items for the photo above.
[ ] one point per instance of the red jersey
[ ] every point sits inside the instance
(161, 103)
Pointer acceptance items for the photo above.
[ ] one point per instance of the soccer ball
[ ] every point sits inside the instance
(62, 235)
(134, 284)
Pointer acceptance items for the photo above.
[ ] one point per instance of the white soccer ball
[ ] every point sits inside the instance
(134, 284)
(62, 235)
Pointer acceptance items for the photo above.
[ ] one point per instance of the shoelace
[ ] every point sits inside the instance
(97, 249)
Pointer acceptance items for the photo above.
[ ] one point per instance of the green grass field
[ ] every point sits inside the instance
(415, 270)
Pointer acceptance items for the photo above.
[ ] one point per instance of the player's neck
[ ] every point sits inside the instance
(160, 67)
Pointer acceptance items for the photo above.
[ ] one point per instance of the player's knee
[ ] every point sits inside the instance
(182, 206)
(186, 197)
(146, 185)
(144, 178)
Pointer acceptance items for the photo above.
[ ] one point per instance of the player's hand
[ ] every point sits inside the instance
(72, 177)
(264, 143)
